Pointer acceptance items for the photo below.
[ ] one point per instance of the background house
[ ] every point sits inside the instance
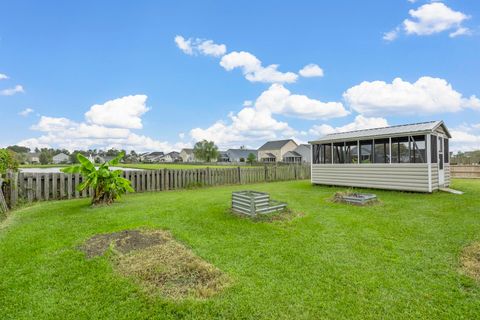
(238, 155)
(292, 157)
(33, 157)
(306, 151)
(273, 151)
(173, 156)
(187, 155)
(153, 156)
(61, 158)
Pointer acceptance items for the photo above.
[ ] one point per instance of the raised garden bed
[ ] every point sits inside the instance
(253, 203)
(359, 199)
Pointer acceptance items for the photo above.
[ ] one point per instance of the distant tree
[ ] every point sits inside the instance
(45, 157)
(251, 158)
(7, 161)
(112, 152)
(21, 158)
(19, 149)
(37, 150)
(205, 150)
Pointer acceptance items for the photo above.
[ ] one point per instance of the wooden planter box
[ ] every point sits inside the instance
(253, 202)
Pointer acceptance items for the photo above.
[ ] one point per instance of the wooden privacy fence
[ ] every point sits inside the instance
(465, 171)
(31, 187)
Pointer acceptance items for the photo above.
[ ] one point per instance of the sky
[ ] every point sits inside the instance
(162, 75)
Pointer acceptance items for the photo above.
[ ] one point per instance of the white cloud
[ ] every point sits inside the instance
(253, 70)
(459, 32)
(209, 48)
(465, 137)
(247, 126)
(3, 76)
(11, 91)
(433, 18)
(391, 35)
(278, 99)
(25, 112)
(100, 132)
(255, 124)
(311, 70)
(184, 45)
(425, 96)
(247, 103)
(251, 66)
(194, 46)
(52, 124)
(360, 123)
(123, 112)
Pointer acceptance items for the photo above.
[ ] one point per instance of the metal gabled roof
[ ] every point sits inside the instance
(386, 131)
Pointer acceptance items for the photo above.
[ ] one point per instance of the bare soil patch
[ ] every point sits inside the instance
(159, 263)
(470, 260)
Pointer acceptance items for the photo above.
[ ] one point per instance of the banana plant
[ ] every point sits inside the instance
(107, 184)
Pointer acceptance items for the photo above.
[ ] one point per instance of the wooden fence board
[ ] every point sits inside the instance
(39, 186)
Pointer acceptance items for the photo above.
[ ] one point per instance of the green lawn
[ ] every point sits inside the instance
(154, 166)
(397, 260)
(43, 165)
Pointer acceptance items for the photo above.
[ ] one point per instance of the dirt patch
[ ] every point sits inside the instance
(470, 260)
(159, 263)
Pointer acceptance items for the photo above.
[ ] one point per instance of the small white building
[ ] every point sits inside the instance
(61, 158)
(412, 157)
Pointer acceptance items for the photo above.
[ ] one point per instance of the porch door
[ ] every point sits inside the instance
(441, 172)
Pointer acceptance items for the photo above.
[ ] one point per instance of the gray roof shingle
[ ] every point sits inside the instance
(275, 145)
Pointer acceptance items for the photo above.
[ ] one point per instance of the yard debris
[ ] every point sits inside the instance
(470, 260)
(159, 263)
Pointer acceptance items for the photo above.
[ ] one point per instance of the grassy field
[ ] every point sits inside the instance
(150, 166)
(395, 260)
(154, 166)
(43, 165)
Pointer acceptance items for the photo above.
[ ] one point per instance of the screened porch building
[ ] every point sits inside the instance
(412, 157)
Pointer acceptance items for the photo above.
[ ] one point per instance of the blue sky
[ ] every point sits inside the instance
(153, 75)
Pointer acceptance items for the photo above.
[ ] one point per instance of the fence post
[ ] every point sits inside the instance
(3, 203)
(13, 181)
(239, 175)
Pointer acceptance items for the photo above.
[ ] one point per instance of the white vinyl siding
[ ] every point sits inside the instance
(401, 176)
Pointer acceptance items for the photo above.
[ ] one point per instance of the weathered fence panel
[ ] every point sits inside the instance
(465, 171)
(57, 186)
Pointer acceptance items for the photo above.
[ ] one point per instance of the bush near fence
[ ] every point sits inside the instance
(29, 187)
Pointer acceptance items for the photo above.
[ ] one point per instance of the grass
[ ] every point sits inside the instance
(149, 166)
(44, 165)
(155, 166)
(396, 260)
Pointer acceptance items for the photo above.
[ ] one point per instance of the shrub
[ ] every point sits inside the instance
(7, 161)
(107, 184)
